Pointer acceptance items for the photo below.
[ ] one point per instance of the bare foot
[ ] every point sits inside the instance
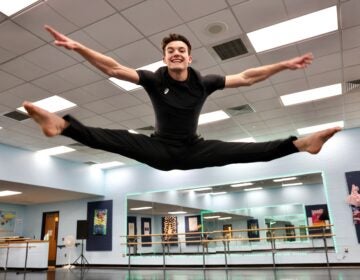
(314, 142)
(50, 123)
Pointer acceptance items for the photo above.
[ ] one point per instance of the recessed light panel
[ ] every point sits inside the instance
(11, 7)
(55, 151)
(315, 128)
(311, 95)
(52, 104)
(294, 30)
(8, 193)
(212, 117)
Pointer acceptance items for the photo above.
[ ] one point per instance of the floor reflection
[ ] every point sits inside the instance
(189, 274)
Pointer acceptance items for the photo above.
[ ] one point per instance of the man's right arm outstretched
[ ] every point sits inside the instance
(104, 63)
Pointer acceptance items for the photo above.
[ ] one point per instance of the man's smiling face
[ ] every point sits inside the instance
(177, 56)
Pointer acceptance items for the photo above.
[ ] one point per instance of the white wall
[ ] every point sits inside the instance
(340, 154)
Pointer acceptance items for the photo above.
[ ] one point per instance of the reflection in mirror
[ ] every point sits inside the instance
(235, 217)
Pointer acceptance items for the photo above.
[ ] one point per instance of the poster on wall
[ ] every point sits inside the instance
(99, 215)
(353, 199)
(169, 229)
(253, 227)
(146, 232)
(193, 230)
(7, 222)
(318, 216)
(100, 220)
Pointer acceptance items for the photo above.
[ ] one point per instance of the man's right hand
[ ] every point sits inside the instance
(61, 39)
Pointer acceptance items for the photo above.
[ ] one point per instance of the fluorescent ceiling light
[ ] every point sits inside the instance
(225, 218)
(312, 129)
(133, 131)
(211, 217)
(176, 212)
(292, 184)
(8, 193)
(311, 95)
(212, 117)
(11, 7)
(131, 86)
(202, 189)
(285, 179)
(106, 165)
(141, 208)
(217, 193)
(245, 140)
(52, 104)
(55, 151)
(253, 189)
(241, 185)
(294, 30)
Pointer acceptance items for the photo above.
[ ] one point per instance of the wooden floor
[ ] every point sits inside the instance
(187, 274)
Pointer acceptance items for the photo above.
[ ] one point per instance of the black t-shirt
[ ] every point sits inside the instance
(178, 104)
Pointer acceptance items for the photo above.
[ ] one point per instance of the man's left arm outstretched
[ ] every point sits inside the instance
(258, 74)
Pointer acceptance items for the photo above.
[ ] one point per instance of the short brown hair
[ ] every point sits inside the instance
(175, 37)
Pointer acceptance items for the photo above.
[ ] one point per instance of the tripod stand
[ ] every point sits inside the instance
(81, 260)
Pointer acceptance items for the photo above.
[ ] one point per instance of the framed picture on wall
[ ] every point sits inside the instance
(169, 229)
(318, 216)
(193, 229)
(253, 227)
(146, 231)
(100, 222)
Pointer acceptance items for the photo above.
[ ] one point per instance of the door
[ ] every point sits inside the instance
(50, 232)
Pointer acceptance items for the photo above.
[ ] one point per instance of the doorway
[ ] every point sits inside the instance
(50, 224)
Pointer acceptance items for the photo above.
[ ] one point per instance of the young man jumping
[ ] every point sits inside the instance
(177, 93)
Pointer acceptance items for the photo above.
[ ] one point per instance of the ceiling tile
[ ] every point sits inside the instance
(199, 27)
(99, 107)
(78, 75)
(123, 4)
(22, 68)
(16, 39)
(260, 94)
(181, 29)
(324, 64)
(8, 81)
(321, 46)
(6, 55)
(202, 59)
(35, 19)
(29, 92)
(198, 8)
(252, 16)
(351, 37)
(350, 13)
(103, 32)
(352, 57)
(240, 64)
(160, 18)
(74, 10)
(139, 53)
(49, 58)
(53, 84)
(296, 8)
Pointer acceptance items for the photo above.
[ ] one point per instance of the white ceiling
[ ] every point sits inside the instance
(31, 194)
(32, 68)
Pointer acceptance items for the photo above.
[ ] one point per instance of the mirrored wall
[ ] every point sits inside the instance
(233, 217)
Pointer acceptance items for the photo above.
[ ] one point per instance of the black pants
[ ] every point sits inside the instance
(167, 154)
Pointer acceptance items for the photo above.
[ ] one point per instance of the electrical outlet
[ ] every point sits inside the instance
(346, 250)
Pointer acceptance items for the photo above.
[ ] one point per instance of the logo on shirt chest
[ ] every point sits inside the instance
(166, 90)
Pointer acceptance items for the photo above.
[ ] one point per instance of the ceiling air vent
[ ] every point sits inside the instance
(16, 116)
(230, 49)
(351, 86)
(238, 110)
